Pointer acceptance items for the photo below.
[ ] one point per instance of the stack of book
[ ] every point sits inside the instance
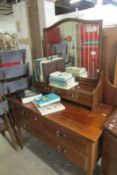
(49, 103)
(27, 95)
(62, 80)
(77, 71)
(42, 67)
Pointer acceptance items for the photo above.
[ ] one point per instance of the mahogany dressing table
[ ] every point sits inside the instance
(75, 132)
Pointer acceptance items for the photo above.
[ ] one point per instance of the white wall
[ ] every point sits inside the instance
(49, 13)
(7, 24)
(107, 13)
(23, 31)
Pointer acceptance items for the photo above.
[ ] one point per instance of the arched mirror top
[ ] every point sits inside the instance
(79, 42)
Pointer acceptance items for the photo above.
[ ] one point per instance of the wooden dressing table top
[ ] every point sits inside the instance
(82, 121)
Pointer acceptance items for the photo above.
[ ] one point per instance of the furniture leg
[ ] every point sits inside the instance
(92, 159)
(20, 137)
(11, 132)
(3, 134)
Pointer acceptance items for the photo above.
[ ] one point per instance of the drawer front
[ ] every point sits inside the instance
(21, 115)
(26, 118)
(110, 145)
(74, 156)
(65, 135)
(72, 95)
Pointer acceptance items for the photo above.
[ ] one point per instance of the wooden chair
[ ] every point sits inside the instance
(13, 78)
(6, 124)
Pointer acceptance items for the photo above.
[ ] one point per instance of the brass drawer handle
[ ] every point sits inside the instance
(58, 148)
(65, 151)
(64, 136)
(59, 134)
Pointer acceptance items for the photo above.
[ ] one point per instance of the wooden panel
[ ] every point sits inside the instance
(75, 156)
(110, 146)
(111, 50)
(115, 74)
(74, 140)
(109, 166)
(25, 118)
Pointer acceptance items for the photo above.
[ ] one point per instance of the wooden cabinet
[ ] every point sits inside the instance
(74, 132)
(109, 161)
(88, 93)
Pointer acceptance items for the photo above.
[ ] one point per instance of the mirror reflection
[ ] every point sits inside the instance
(78, 44)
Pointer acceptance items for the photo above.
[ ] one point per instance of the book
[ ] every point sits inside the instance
(61, 83)
(46, 99)
(27, 96)
(51, 108)
(61, 76)
(43, 67)
(65, 87)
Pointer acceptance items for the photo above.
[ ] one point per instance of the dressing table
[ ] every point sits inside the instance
(75, 132)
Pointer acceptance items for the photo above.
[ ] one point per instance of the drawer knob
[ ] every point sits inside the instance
(64, 136)
(64, 151)
(59, 134)
(35, 119)
(59, 148)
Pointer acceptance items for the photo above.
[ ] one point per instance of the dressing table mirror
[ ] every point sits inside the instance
(79, 42)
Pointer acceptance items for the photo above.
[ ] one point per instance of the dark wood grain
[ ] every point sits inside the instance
(74, 132)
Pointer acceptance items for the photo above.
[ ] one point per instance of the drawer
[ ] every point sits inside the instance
(26, 118)
(65, 135)
(21, 115)
(74, 156)
(83, 98)
(110, 145)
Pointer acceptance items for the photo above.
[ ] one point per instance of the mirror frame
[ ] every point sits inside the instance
(98, 22)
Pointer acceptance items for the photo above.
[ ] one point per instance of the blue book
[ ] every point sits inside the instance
(46, 99)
